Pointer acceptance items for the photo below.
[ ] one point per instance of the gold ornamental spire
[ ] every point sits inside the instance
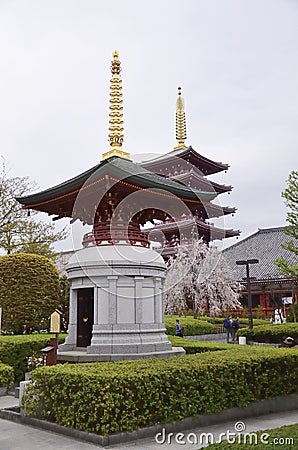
(116, 135)
(180, 121)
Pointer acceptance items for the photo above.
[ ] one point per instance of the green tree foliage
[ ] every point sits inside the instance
(29, 291)
(290, 195)
(18, 231)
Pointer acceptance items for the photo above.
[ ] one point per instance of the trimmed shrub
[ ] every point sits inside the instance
(191, 346)
(6, 376)
(15, 349)
(123, 396)
(29, 287)
(192, 327)
(242, 321)
(270, 333)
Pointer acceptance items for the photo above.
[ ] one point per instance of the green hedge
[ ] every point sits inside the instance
(282, 434)
(270, 333)
(191, 346)
(6, 376)
(123, 396)
(15, 349)
(242, 320)
(192, 327)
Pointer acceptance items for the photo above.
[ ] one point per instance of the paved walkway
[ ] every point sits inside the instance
(15, 436)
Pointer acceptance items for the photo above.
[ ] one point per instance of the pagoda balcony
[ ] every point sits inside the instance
(115, 234)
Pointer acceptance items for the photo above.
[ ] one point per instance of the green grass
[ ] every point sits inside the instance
(285, 438)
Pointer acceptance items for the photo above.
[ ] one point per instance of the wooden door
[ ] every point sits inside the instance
(85, 316)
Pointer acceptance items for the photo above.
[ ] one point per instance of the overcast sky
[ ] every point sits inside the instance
(235, 60)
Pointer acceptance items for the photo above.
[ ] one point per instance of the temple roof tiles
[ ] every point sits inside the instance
(123, 169)
(193, 179)
(190, 155)
(264, 245)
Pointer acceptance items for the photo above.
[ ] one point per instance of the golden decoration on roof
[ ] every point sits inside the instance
(180, 121)
(116, 129)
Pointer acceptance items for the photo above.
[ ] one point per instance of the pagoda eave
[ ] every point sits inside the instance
(171, 226)
(109, 183)
(206, 165)
(213, 210)
(194, 180)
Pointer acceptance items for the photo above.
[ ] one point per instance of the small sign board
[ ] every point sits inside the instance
(287, 300)
(55, 322)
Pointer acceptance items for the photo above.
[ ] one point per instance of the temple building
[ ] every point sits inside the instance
(116, 280)
(269, 288)
(116, 283)
(189, 168)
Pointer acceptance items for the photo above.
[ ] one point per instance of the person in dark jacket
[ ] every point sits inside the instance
(179, 329)
(235, 328)
(228, 327)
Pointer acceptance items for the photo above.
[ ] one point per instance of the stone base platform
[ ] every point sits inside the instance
(81, 356)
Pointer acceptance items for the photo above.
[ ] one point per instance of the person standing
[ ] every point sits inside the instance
(235, 328)
(228, 327)
(179, 329)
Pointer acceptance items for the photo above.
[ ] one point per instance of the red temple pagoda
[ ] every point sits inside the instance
(182, 172)
(191, 169)
(116, 281)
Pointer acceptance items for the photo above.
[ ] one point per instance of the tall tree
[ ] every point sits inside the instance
(18, 231)
(200, 278)
(290, 195)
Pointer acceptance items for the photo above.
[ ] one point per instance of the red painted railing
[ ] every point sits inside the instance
(107, 234)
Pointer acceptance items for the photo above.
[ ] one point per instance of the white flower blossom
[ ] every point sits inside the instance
(199, 278)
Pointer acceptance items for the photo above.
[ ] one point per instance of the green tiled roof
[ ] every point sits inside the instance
(123, 169)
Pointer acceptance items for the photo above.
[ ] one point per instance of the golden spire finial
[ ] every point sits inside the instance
(116, 116)
(180, 121)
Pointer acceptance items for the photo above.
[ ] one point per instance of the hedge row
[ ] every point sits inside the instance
(123, 396)
(242, 320)
(6, 376)
(192, 327)
(191, 346)
(270, 333)
(15, 349)
(218, 320)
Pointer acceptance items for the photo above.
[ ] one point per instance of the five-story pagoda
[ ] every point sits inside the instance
(188, 167)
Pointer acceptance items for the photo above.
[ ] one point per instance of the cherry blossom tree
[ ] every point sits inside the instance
(199, 278)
